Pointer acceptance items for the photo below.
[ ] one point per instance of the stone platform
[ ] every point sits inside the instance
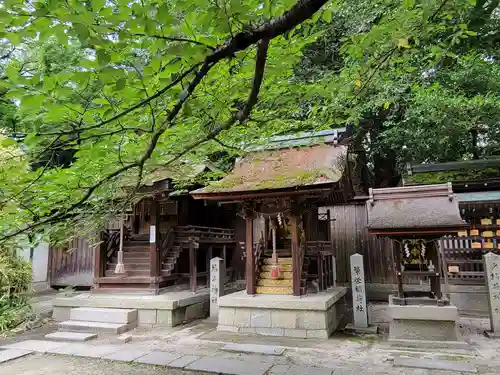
(310, 316)
(168, 309)
(424, 323)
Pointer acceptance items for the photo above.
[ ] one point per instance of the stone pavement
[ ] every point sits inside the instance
(197, 347)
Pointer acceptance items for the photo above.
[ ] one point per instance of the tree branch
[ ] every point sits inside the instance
(300, 12)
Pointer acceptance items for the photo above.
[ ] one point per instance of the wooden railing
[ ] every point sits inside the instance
(111, 239)
(167, 244)
(205, 234)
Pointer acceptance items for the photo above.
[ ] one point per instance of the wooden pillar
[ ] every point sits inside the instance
(209, 256)
(296, 261)
(250, 265)
(154, 242)
(193, 272)
(99, 260)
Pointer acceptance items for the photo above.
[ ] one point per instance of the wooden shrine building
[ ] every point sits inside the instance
(166, 238)
(278, 192)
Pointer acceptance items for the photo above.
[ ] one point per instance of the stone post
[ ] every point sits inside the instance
(358, 291)
(334, 272)
(492, 275)
(217, 280)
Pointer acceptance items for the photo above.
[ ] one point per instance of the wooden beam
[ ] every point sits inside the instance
(250, 261)
(296, 261)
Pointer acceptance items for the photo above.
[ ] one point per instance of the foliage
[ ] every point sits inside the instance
(453, 176)
(109, 91)
(15, 283)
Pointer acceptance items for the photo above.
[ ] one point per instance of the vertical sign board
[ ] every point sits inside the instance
(358, 291)
(217, 281)
(492, 275)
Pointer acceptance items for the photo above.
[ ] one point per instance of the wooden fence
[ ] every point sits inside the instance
(349, 235)
(72, 265)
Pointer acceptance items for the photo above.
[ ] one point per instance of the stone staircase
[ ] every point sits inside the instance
(86, 323)
(268, 285)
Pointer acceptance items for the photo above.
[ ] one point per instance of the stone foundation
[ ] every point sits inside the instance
(311, 316)
(167, 310)
(425, 323)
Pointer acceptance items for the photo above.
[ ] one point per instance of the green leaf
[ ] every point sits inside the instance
(327, 16)
(100, 101)
(120, 84)
(97, 4)
(403, 43)
(82, 31)
(408, 4)
(102, 57)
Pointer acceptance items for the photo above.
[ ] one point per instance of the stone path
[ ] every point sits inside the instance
(196, 347)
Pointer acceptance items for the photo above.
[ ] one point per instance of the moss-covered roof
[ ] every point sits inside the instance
(282, 169)
(461, 175)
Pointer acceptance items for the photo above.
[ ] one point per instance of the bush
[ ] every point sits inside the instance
(15, 285)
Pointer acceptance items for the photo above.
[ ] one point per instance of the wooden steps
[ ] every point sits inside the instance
(266, 284)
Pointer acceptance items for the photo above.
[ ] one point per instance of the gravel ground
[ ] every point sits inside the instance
(39, 364)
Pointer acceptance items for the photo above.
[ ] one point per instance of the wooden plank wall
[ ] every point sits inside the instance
(73, 265)
(349, 235)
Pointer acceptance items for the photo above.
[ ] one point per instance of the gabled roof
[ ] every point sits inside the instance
(414, 210)
(277, 170)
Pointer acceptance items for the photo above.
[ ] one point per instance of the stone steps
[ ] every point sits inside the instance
(96, 314)
(86, 322)
(71, 336)
(95, 327)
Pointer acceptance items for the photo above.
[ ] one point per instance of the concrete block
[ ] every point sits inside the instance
(296, 333)
(97, 327)
(247, 330)
(279, 369)
(183, 361)
(124, 338)
(229, 366)
(242, 317)
(158, 358)
(146, 317)
(85, 350)
(371, 329)
(260, 319)
(316, 334)
(254, 348)
(311, 320)
(419, 312)
(431, 330)
(10, 354)
(127, 354)
(270, 331)
(103, 315)
(178, 316)
(60, 314)
(226, 316)
(164, 318)
(71, 336)
(434, 364)
(39, 346)
(195, 311)
(308, 370)
(283, 319)
(427, 344)
(223, 328)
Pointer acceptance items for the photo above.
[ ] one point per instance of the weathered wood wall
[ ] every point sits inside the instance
(349, 235)
(72, 265)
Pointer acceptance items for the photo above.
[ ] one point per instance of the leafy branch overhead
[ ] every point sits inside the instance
(97, 96)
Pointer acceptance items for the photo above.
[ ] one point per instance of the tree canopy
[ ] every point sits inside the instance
(103, 93)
